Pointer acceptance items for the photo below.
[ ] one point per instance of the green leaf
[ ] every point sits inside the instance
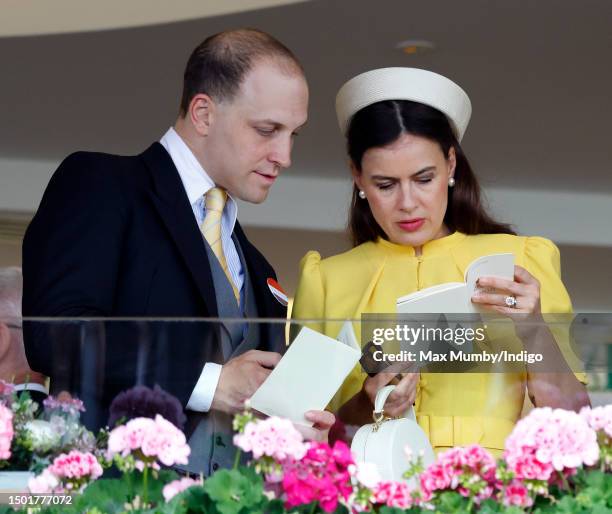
(452, 502)
(491, 507)
(234, 490)
(275, 506)
(190, 501)
(108, 495)
(601, 482)
(594, 478)
(391, 510)
(111, 494)
(568, 505)
(512, 510)
(601, 509)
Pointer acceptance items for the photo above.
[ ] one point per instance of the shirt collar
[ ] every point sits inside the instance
(193, 176)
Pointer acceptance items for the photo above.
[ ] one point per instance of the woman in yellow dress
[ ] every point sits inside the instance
(416, 221)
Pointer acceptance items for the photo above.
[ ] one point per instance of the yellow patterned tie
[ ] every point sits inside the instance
(214, 200)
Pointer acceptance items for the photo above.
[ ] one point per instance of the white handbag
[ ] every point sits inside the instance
(384, 441)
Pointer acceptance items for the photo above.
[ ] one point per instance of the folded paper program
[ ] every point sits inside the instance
(291, 389)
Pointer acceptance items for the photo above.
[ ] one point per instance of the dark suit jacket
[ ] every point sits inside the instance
(115, 236)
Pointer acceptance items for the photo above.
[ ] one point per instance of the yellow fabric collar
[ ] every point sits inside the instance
(431, 248)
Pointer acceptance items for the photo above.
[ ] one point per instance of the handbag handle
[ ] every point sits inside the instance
(381, 398)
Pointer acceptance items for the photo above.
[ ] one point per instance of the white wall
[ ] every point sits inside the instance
(321, 204)
(300, 202)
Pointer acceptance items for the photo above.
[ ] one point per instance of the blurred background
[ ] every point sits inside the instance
(108, 77)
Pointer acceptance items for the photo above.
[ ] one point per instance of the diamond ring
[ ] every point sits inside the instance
(510, 301)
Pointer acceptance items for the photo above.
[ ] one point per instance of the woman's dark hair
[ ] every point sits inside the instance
(381, 124)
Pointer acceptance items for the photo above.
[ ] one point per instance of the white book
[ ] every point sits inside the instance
(308, 375)
(455, 297)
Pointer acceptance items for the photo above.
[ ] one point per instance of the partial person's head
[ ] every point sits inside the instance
(403, 128)
(11, 288)
(12, 354)
(244, 100)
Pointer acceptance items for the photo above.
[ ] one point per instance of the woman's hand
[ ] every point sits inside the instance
(358, 410)
(402, 397)
(323, 421)
(525, 289)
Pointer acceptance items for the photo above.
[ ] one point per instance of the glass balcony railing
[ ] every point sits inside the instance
(96, 359)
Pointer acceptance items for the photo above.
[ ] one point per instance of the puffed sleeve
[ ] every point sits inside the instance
(542, 259)
(309, 302)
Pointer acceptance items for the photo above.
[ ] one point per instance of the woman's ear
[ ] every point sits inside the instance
(356, 175)
(452, 161)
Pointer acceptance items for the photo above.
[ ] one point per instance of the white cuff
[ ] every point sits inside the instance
(204, 391)
(31, 386)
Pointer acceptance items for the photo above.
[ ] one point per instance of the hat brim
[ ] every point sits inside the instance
(413, 84)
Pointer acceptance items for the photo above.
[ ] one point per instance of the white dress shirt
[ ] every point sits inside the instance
(197, 183)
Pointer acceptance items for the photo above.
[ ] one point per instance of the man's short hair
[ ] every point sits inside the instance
(219, 64)
(11, 288)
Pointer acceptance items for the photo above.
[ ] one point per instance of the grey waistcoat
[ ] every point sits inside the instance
(211, 442)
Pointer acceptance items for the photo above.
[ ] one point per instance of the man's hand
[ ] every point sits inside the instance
(240, 378)
(322, 420)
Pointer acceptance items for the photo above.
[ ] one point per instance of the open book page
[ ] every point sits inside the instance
(455, 297)
(307, 377)
(500, 265)
(448, 297)
(423, 293)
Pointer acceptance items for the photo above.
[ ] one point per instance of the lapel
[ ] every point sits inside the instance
(170, 200)
(260, 271)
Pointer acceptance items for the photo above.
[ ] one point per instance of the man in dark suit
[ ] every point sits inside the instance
(155, 235)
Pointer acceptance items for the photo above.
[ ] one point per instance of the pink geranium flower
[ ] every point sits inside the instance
(516, 494)
(68, 472)
(366, 474)
(6, 432)
(45, 483)
(69, 406)
(322, 474)
(469, 470)
(393, 494)
(599, 418)
(6, 390)
(550, 440)
(178, 486)
(150, 440)
(76, 465)
(273, 437)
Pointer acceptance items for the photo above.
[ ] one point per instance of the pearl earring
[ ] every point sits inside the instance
(362, 194)
(451, 182)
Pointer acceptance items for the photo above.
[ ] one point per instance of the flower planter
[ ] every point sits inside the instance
(14, 481)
